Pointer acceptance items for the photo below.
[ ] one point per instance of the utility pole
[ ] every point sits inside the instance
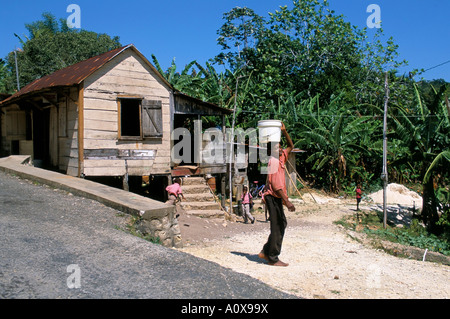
(231, 150)
(17, 70)
(231, 143)
(384, 173)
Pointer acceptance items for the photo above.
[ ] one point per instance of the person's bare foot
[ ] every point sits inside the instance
(279, 263)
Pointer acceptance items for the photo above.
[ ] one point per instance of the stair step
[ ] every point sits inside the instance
(199, 201)
(199, 197)
(199, 205)
(195, 189)
(206, 213)
(193, 181)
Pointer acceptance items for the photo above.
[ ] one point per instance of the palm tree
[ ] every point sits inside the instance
(216, 87)
(334, 142)
(184, 82)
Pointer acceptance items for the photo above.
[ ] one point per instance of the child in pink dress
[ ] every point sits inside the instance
(174, 191)
(246, 200)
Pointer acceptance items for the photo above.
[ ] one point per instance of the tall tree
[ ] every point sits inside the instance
(305, 48)
(242, 31)
(52, 45)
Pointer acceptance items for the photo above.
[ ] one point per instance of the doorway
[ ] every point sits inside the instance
(41, 137)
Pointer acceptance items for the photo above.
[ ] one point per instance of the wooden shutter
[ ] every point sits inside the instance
(152, 118)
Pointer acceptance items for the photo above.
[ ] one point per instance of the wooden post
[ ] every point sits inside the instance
(125, 184)
(384, 173)
(169, 182)
(198, 140)
(232, 147)
(291, 173)
(222, 187)
(80, 132)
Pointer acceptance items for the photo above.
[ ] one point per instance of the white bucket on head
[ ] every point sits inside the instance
(269, 131)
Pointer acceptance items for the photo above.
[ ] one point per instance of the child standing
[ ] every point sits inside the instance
(358, 196)
(246, 201)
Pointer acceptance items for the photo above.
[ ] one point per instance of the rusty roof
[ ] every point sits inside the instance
(77, 73)
(69, 76)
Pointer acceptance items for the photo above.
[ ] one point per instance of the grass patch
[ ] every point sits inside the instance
(132, 227)
(415, 235)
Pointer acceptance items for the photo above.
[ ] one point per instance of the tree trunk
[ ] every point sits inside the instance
(429, 208)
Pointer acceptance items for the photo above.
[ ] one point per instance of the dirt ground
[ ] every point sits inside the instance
(324, 261)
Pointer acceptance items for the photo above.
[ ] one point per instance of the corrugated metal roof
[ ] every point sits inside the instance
(69, 76)
(77, 73)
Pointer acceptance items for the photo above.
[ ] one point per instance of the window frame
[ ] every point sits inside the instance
(119, 120)
(157, 105)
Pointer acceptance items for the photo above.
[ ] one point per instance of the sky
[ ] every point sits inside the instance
(187, 29)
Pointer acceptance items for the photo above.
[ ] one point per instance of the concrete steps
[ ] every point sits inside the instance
(199, 205)
(199, 200)
(196, 189)
(207, 213)
(204, 197)
(195, 180)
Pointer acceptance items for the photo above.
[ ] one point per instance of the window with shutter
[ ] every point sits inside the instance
(151, 118)
(139, 118)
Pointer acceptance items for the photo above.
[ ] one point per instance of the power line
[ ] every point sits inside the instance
(436, 66)
(334, 115)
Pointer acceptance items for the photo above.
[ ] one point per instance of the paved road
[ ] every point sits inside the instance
(51, 240)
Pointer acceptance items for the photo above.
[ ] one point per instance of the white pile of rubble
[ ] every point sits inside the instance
(397, 194)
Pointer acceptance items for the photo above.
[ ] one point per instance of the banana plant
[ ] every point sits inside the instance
(334, 142)
(427, 139)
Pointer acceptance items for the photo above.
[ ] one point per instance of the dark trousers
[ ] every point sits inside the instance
(278, 223)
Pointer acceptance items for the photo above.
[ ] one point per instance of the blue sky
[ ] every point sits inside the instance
(186, 30)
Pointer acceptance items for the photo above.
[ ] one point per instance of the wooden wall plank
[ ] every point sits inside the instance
(128, 74)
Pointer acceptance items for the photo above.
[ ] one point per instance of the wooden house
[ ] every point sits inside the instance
(3, 96)
(110, 115)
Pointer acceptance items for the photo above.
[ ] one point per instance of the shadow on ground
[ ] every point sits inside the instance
(250, 257)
